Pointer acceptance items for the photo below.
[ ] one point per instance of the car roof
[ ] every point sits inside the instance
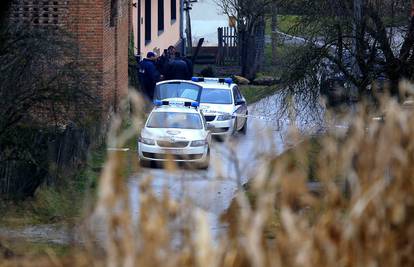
(177, 109)
(216, 85)
(204, 84)
(181, 81)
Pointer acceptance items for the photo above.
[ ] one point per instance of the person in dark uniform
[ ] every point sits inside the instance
(165, 59)
(177, 69)
(190, 67)
(149, 75)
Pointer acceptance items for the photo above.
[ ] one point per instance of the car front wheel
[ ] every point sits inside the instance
(145, 163)
(204, 165)
(243, 130)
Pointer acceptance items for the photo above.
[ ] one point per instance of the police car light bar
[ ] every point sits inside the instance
(157, 103)
(160, 103)
(220, 80)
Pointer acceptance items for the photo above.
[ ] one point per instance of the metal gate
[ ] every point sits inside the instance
(228, 50)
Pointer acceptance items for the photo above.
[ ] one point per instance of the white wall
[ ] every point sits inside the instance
(159, 42)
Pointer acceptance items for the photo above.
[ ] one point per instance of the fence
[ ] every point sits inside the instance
(228, 49)
(48, 157)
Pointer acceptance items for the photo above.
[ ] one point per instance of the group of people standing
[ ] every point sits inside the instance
(169, 66)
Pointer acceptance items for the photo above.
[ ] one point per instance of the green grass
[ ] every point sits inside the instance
(64, 203)
(254, 93)
(27, 248)
(285, 23)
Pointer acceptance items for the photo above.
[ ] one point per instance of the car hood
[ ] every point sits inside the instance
(176, 134)
(216, 109)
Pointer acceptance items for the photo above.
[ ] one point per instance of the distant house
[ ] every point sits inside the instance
(157, 24)
(101, 29)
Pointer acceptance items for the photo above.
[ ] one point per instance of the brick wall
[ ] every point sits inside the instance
(101, 29)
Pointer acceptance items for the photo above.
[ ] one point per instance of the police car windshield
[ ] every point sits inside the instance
(177, 90)
(175, 120)
(216, 96)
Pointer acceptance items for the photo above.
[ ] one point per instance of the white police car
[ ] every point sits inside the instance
(223, 105)
(175, 130)
(221, 102)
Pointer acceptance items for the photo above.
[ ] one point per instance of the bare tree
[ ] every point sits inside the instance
(41, 80)
(250, 16)
(374, 37)
(44, 88)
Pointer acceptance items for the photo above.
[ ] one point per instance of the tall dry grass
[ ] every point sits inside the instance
(363, 216)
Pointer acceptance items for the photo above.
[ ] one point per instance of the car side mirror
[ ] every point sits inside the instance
(240, 102)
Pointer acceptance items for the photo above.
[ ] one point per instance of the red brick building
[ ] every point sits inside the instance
(101, 29)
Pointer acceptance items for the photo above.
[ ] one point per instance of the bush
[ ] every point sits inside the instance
(208, 72)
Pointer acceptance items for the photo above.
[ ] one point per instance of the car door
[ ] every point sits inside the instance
(241, 107)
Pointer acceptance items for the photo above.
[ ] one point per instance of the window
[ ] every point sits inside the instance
(114, 13)
(175, 120)
(41, 13)
(160, 15)
(177, 90)
(147, 21)
(237, 95)
(215, 96)
(173, 9)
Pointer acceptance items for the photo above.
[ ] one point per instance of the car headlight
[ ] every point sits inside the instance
(224, 117)
(198, 143)
(147, 141)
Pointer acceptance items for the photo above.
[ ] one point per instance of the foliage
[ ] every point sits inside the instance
(42, 79)
(207, 72)
(132, 65)
(57, 204)
(355, 44)
(254, 93)
(45, 91)
(250, 16)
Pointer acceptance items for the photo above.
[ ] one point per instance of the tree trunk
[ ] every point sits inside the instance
(274, 32)
(358, 16)
(253, 49)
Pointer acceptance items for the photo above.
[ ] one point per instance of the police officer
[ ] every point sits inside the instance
(177, 69)
(165, 59)
(149, 75)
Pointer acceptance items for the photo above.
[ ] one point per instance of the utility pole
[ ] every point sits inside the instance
(187, 8)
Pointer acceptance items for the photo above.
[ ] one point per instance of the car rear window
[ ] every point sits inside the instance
(216, 96)
(175, 120)
(177, 90)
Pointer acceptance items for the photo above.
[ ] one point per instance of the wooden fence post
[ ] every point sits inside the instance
(220, 54)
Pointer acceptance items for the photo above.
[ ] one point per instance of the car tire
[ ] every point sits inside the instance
(219, 138)
(244, 129)
(206, 163)
(235, 131)
(145, 163)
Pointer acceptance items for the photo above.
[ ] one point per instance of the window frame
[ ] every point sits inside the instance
(147, 22)
(173, 10)
(161, 14)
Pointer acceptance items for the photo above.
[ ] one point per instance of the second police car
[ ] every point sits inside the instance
(221, 102)
(175, 130)
(223, 105)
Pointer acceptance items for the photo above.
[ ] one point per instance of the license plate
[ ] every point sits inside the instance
(173, 151)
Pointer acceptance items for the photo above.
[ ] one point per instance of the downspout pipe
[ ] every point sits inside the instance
(182, 38)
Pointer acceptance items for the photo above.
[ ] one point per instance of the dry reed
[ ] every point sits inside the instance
(364, 215)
